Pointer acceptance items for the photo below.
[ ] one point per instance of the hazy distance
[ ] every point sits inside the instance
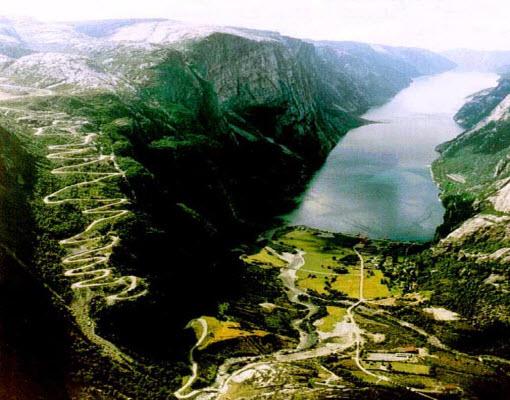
(433, 24)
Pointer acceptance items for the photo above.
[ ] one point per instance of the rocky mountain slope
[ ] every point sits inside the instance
(377, 69)
(485, 106)
(158, 148)
(473, 172)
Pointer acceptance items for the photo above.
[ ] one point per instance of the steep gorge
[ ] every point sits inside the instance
(215, 135)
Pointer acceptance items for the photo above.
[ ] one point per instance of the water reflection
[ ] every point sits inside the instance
(377, 181)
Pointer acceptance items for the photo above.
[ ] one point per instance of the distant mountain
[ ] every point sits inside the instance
(104, 28)
(379, 69)
(120, 53)
(495, 61)
(413, 60)
(179, 143)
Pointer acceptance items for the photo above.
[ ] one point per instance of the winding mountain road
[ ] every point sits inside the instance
(81, 160)
(180, 394)
(235, 370)
(89, 249)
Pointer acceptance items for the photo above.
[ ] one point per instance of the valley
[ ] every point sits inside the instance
(380, 336)
(143, 169)
(376, 181)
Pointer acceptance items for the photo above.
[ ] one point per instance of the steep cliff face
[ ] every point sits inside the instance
(243, 123)
(202, 135)
(375, 70)
(484, 104)
(476, 159)
(16, 180)
(473, 172)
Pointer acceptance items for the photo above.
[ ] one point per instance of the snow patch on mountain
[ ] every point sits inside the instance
(4, 59)
(7, 33)
(378, 48)
(40, 36)
(44, 70)
(45, 37)
(172, 32)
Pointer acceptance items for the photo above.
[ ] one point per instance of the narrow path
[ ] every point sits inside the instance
(194, 365)
(88, 253)
(357, 331)
(89, 249)
(303, 351)
(81, 160)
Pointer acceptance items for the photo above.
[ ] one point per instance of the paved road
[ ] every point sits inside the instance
(356, 329)
(180, 394)
(88, 251)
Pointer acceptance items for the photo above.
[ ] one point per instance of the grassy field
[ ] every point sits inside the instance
(410, 368)
(223, 330)
(265, 258)
(371, 379)
(335, 315)
(321, 261)
(347, 283)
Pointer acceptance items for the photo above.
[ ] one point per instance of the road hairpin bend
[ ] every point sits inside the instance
(88, 252)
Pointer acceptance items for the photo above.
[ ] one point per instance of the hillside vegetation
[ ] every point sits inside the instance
(471, 260)
(147, 153)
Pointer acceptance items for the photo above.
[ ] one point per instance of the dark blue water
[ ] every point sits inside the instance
(377, 180)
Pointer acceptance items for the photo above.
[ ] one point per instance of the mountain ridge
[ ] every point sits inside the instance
(481, 60)
(472, 172)
(208, 136)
